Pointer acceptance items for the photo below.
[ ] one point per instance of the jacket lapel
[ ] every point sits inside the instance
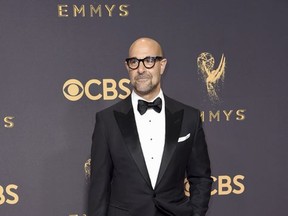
(125, 118)
(173, 127)
(127, 125)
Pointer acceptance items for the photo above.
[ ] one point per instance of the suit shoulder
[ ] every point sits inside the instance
(176, 105)
(119, 106)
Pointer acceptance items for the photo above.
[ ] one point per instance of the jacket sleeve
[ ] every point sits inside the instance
(101, 171)
(199, 172)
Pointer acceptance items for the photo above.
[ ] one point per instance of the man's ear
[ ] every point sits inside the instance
(127, 68)
(163, 63)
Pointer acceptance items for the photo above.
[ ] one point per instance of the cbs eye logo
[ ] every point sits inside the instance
(94, 89)
(73, 89)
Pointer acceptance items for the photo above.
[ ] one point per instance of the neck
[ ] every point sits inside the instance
(148, 96)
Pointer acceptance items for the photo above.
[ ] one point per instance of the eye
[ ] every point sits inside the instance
(149, 60)
(133, 61)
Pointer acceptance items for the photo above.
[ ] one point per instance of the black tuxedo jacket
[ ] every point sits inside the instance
(120, 183)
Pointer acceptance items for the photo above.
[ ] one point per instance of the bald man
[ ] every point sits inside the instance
(146, 145)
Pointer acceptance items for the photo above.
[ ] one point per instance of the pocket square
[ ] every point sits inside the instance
(181, 139)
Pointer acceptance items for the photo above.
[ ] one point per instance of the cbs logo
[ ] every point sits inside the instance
(225, 185)
(94, 89)
(8, 121)
(8, 195)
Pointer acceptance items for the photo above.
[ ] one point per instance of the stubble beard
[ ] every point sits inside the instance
(144, 88)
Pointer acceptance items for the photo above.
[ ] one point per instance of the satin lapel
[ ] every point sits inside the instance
(173, 127)
(128, 128)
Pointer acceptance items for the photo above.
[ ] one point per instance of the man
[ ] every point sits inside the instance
(142, 151)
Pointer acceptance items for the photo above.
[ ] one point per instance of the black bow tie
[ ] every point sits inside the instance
(144, 105)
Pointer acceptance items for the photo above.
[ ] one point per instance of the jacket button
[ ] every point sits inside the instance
(154, 195)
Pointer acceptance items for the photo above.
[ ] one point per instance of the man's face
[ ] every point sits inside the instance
(146, 82)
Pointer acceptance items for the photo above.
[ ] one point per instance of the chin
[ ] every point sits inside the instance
(146, 91)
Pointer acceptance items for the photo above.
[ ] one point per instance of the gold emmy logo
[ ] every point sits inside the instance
(211, 76)
(87, 169)
(92, 10)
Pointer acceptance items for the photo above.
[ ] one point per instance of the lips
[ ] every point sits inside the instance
(142, 78)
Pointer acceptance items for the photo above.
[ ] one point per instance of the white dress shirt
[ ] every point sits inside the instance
(151, 131)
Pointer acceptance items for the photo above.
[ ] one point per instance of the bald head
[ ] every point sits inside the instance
(145, 47)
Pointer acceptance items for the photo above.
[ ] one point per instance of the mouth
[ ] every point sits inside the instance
(142, 79)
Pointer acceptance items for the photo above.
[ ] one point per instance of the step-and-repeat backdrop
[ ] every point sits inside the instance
(61, 61)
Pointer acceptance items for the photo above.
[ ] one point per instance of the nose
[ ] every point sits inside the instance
(141, 68)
